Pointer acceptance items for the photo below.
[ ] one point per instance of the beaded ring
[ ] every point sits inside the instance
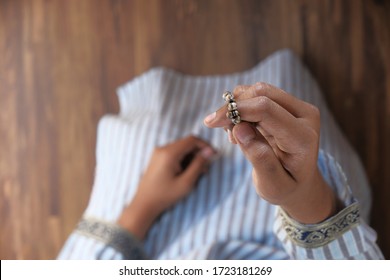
(232, 113)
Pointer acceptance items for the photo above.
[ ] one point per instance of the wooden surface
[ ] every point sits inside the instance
(61, 61)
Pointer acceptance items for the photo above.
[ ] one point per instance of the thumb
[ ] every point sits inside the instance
(266, 165)
(197, 166)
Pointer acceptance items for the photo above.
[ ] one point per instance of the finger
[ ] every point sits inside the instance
(239, 90)
(231, 137)
(289, 132)
(218, 118)
(295, 106)
(228, 130)
(196, 167)
(269, 175)
(186, 145)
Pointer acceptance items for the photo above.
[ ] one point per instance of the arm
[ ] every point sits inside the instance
(171, 174)
(279, 135)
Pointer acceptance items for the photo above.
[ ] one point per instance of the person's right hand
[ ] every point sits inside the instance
(279, 135)
(165, 182)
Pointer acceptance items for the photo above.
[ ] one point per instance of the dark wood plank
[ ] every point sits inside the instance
(61, 61)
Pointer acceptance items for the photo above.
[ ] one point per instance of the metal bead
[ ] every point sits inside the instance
(232, 114)
(232, 106)
(236, 120)
(227, 96)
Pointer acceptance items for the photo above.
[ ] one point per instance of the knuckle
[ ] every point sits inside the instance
(313, 135)
(314, 111)
(314, 116)
(311, 139)
(193, 140)
(161, 150)
(192, 137)
(264, 103)
(262, 87)
(238, 89)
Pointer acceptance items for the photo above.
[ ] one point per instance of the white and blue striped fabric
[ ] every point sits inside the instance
(223, 218)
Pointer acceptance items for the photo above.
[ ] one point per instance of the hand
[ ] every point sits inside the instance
(170, 176)
(279, 135)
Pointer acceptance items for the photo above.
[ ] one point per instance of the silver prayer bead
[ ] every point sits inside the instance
(232, 114)
(232, 106)
(227, 96)
(236, 120)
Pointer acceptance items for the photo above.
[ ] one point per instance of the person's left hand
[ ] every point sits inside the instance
(172, 172)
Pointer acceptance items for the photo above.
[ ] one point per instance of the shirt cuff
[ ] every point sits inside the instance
(317, 235)
(343, 236)
(113, 236)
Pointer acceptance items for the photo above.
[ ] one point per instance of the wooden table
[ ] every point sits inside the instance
(61, 61)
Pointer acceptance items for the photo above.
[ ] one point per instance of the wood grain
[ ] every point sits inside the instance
(61, 61)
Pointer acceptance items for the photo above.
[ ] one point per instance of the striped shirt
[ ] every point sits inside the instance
(223, 217)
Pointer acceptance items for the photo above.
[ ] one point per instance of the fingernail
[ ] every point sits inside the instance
(210, 117)
(230, 136)
(207, 153)
(244, 134)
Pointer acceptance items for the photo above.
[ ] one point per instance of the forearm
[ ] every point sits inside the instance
(342, 236)
(138, 217)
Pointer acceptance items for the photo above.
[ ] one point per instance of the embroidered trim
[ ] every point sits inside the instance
(112, 235)
(313, 236)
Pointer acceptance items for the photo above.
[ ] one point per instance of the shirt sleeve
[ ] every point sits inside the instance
(343, 236)
(101, 240)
